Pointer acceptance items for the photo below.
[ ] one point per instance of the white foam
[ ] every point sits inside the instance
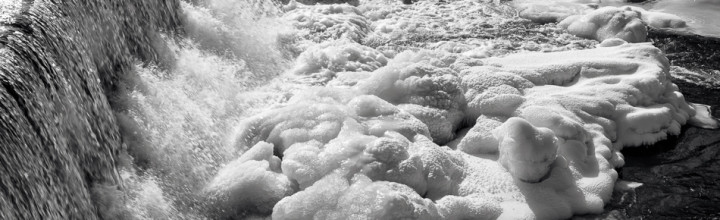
(530, 135)
(703, 117)
(550, 11)
(323, 61)
(325, 22)
(625, 22)
(659, 19)
(526, 151)
(555, 159)
(607, 22)
(251, 183)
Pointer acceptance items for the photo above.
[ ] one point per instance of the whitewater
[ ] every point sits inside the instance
(370, 109)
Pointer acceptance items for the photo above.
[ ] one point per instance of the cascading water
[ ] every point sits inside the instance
(226, 109)
(179, 119)
(104, 102)
(59, 139)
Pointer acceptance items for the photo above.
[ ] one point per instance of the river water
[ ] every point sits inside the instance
(125, 109)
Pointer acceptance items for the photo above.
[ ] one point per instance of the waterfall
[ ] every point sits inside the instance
(60, 65)
(119, 109)
(225, 109)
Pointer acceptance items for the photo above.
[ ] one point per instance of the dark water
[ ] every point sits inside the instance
(679, 176)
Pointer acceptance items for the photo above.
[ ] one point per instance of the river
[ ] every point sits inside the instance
(130, 109)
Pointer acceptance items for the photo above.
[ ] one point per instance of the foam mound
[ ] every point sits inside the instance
(640, 66)
(252, 183)
(626, 22)
(323, 61)
(425, 85)
(426, 22)
(607, 22)
(526, 151)
(544, 137)
(659, 19)
(550, 11)
(313, 2)
(325, 22)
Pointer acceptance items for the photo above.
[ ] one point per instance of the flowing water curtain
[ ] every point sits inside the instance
(59, 62)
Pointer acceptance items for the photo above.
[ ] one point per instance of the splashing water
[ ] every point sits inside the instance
(59, 137)
(236, 108)
(178, 120)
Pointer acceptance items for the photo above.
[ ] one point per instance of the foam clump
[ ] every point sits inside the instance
(594, 101)
(492, 91)
(323, 22)
(337, 197)
(320, 115)
(424, 85)
(480, 138)
(427, 21)
(313, 2)
(646, 125)
(374, 142)
(323, 61)
(543, 135)
(526, 151)
(251, 183)
(703, 117)
(626, 22)
(658, 19)
(550, 11)
(581, 81)
(607, 22)
(472, 49)
(340, 197)
(612, 42)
